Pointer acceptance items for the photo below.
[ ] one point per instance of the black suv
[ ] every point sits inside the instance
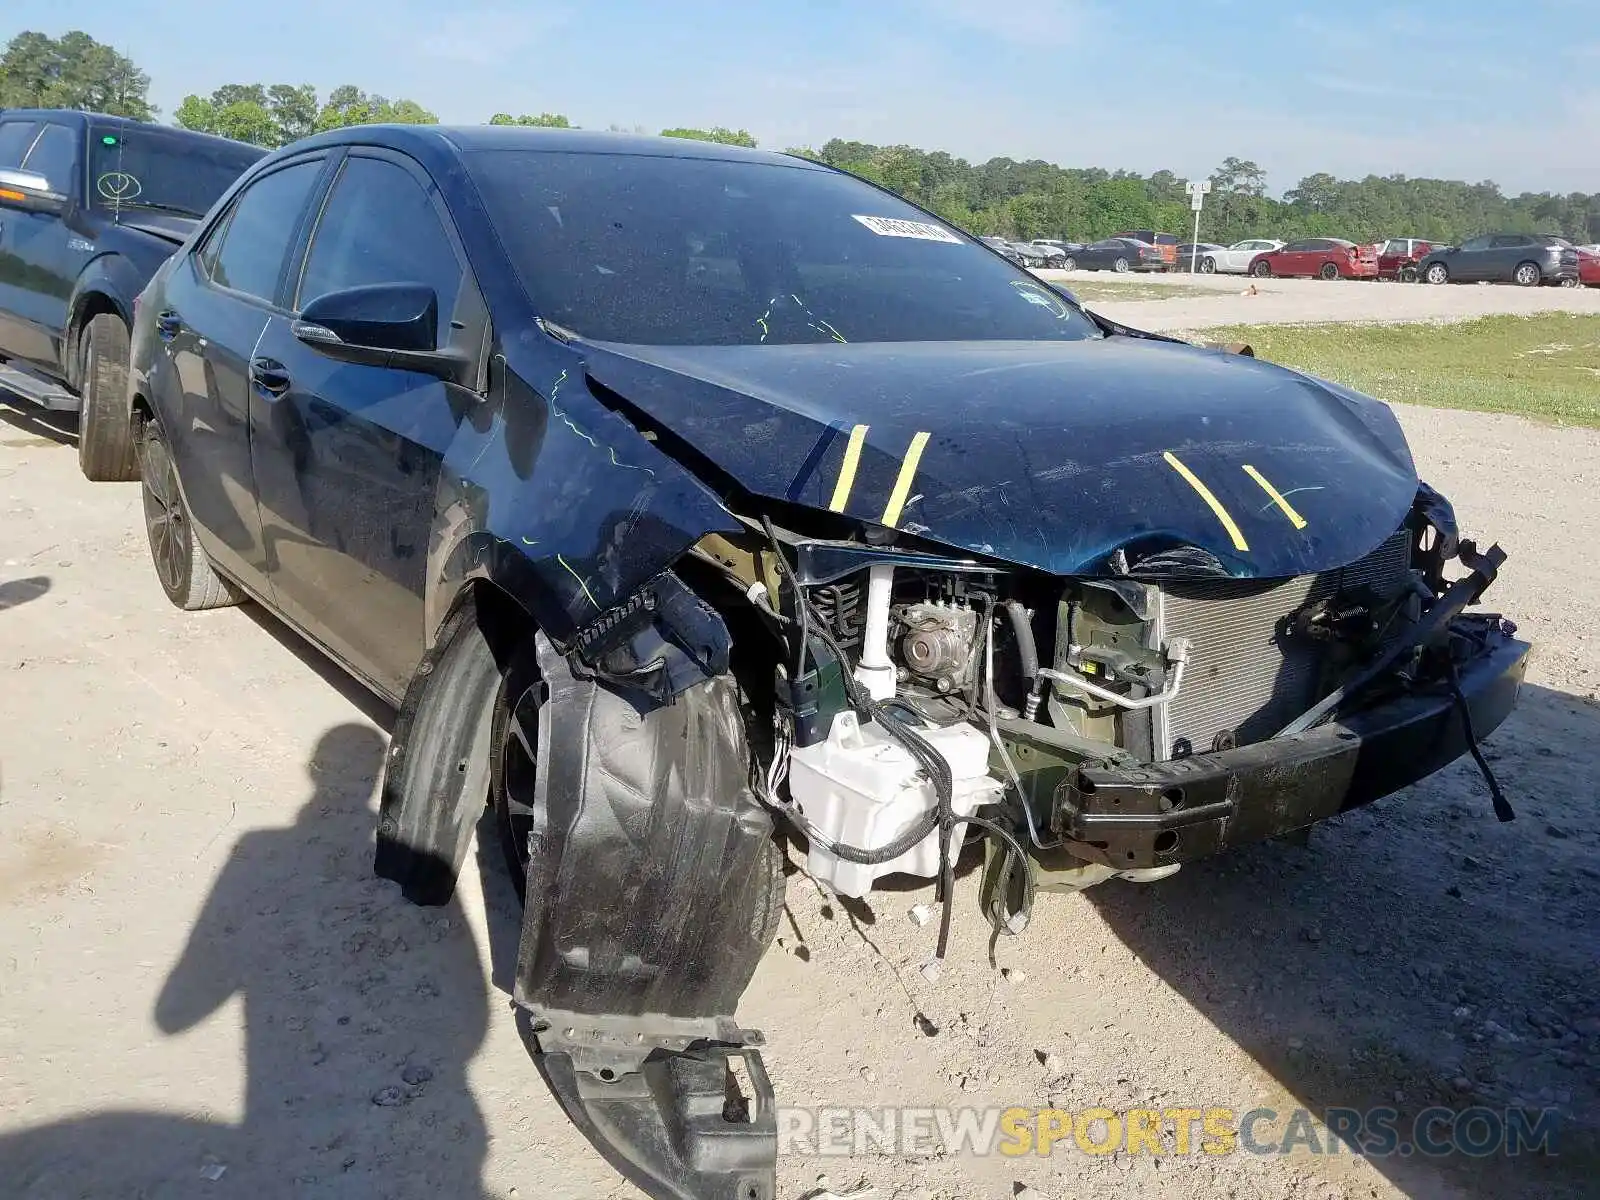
(1528, 259)
(90, 206)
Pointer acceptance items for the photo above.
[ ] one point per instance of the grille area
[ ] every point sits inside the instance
(1243, 675)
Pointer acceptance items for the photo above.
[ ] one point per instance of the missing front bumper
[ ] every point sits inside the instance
(1174, 812)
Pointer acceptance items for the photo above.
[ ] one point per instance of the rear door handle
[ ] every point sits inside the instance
(270, 375)
(168, 325)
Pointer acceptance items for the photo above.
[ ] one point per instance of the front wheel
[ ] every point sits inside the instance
(1120, 266)
(1527, 274)
(1261, 270)
(1569, 282)
(1329, 271)
(1437, 273)
(186, 574)
(106, 451)
(1069, 263)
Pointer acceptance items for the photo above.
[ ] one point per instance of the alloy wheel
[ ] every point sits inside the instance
(164, 516)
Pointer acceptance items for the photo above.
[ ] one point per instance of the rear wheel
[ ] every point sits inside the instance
(186, 574)
(1120, 266)
(1527, 274)
(1329, 271)
(1208, 266)
(1569, 282)
(106, 451)
(1261, 270)
(1437, 273)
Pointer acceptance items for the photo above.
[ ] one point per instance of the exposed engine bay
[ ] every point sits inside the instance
(921, 702)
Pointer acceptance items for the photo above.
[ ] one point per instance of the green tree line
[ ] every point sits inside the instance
(1002, 196)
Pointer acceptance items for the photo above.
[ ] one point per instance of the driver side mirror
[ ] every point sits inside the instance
(30, 192)
(382, 325)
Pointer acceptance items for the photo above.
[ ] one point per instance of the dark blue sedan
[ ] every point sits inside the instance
(682, 498)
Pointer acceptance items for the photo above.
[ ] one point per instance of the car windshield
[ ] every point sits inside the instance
(684, 251)
(134, 166)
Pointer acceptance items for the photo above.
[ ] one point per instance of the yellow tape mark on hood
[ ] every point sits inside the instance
(1205, 494)
(847, 469)
(1278, 498)
(902, 483)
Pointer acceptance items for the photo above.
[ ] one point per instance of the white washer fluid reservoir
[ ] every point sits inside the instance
(862, 788)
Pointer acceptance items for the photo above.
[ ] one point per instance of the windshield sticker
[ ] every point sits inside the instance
(922, 231)
(118, 185)
(1037, 293)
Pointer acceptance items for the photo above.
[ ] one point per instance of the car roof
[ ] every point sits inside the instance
(468, 138)
(78, 117)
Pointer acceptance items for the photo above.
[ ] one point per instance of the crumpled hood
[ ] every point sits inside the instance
(1049, 454)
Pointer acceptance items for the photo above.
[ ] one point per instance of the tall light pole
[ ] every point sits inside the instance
(1197, 189)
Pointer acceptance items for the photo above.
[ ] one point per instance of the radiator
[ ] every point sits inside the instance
(1243, 675)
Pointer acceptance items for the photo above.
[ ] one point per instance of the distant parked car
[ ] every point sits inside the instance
(1167, 243)
(1589, 267)
(1528, 259)
(1038, 256)
(1236, 259)
(1398, 257)
(1001, 246)
(1192, 254)
(1056, 252)
(1119, 254)
(1325, 258)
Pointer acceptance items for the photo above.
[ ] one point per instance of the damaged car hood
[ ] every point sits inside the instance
(1055, 455)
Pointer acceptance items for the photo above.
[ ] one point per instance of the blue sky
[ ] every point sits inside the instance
(1475, 89)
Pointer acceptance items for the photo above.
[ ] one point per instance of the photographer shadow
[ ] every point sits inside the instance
(361, 1013)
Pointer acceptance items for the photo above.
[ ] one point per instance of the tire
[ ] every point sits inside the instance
(106, 451)
(1569, 282)
(186, 574)
(1437, 273)
(1406, 275)
(1261, 270)
(1069, 263)
(1120, 266)
(1208, 266)
(1527, 274)
(1328, 271)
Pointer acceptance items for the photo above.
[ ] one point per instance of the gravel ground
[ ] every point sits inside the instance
(1288, 301)
(204, 993)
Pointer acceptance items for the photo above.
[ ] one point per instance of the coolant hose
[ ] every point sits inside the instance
(1027, 648)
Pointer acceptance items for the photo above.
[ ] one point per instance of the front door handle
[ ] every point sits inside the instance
(168, 325)
(270, 375)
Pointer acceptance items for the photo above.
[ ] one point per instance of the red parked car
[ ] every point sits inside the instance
(1326, 258)
(1398, 257)
(1589, 268)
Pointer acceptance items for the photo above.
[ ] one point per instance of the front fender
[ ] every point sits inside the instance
(559, 502)
(107, 277)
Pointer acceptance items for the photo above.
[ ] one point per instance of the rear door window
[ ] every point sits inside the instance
(55, 156)
(261, 230)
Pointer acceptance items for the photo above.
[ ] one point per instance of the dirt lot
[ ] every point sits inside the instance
(204, 993)
(1282, 301)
